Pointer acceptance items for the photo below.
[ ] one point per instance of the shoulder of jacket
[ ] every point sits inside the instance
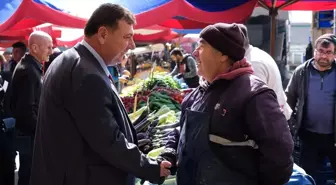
(303, 66)
(69, 59)
(256, 84)
(250, 83)
(71, 54)
(23, 66)
(258, 87)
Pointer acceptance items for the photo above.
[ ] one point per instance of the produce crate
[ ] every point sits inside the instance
(325, 174)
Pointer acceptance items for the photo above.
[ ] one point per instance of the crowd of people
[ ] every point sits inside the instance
(237, 125)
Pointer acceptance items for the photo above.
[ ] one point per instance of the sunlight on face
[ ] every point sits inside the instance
(119, 41)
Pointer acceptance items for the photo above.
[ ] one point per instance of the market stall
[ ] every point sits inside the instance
(154, 106)
(141, 65)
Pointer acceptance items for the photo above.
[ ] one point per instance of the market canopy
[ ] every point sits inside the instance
(18, 23)
(308, 5)
(192, 14)
(23, 14)
(188, 13)
(152, 34)
(273, 6)
(179, 14)
(7, 38)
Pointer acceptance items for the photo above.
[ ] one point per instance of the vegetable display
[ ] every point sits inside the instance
(154, 92)
(154, 108)
(154, 127)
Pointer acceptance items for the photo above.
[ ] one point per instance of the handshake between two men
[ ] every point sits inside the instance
(168, 164)
(165, 168)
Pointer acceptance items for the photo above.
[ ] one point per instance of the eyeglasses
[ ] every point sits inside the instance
(327, 53)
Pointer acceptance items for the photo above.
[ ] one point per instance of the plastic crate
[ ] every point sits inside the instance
(171, 180)
(325, 175)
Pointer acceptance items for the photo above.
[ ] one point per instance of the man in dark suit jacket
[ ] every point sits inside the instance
(84, 135)
(24, 94)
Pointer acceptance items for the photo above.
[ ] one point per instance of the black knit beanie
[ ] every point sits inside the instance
(226, 38)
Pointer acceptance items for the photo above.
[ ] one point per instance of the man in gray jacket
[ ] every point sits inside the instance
(185, 68)
(84, 135)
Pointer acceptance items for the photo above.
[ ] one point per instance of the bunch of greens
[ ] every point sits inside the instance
(161, 80)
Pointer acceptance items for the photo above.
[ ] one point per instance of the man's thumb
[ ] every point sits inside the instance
(166, 164)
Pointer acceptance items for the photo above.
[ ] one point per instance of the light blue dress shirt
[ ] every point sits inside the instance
(98, 57)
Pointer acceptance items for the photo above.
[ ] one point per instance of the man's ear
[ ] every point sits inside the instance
(33, 48)
(102, 34)
(224, 58)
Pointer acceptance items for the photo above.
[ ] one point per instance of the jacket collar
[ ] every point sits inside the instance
(35, 62)
(309, 63)
(85, 52)
(97, 56)
(312, 64)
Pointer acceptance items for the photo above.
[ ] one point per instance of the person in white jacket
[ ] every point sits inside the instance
(267, 70)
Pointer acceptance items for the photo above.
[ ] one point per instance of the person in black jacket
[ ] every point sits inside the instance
(19, 50)
(311, 94)
(232, 130)
(25, 90)
(309, 51)
(83, 133)
(7, 151)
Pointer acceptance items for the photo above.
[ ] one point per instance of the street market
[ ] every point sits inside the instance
(167, 92)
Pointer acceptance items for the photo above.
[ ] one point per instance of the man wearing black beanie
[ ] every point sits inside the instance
(232, 129)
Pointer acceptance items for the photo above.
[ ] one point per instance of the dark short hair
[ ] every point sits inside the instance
(20, 45)
(324, 42)
(107, 14)
(7, 53)
(176, 51)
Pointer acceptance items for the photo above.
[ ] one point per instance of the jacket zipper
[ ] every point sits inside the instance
(322, 83)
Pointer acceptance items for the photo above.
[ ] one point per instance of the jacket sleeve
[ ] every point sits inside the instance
(192, 68)
(174, 136)
(25, 108)
(267, 126)
(291, 90)
(93, 112)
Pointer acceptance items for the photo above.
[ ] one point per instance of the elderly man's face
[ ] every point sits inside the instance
(44, 49)
(208, 60)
